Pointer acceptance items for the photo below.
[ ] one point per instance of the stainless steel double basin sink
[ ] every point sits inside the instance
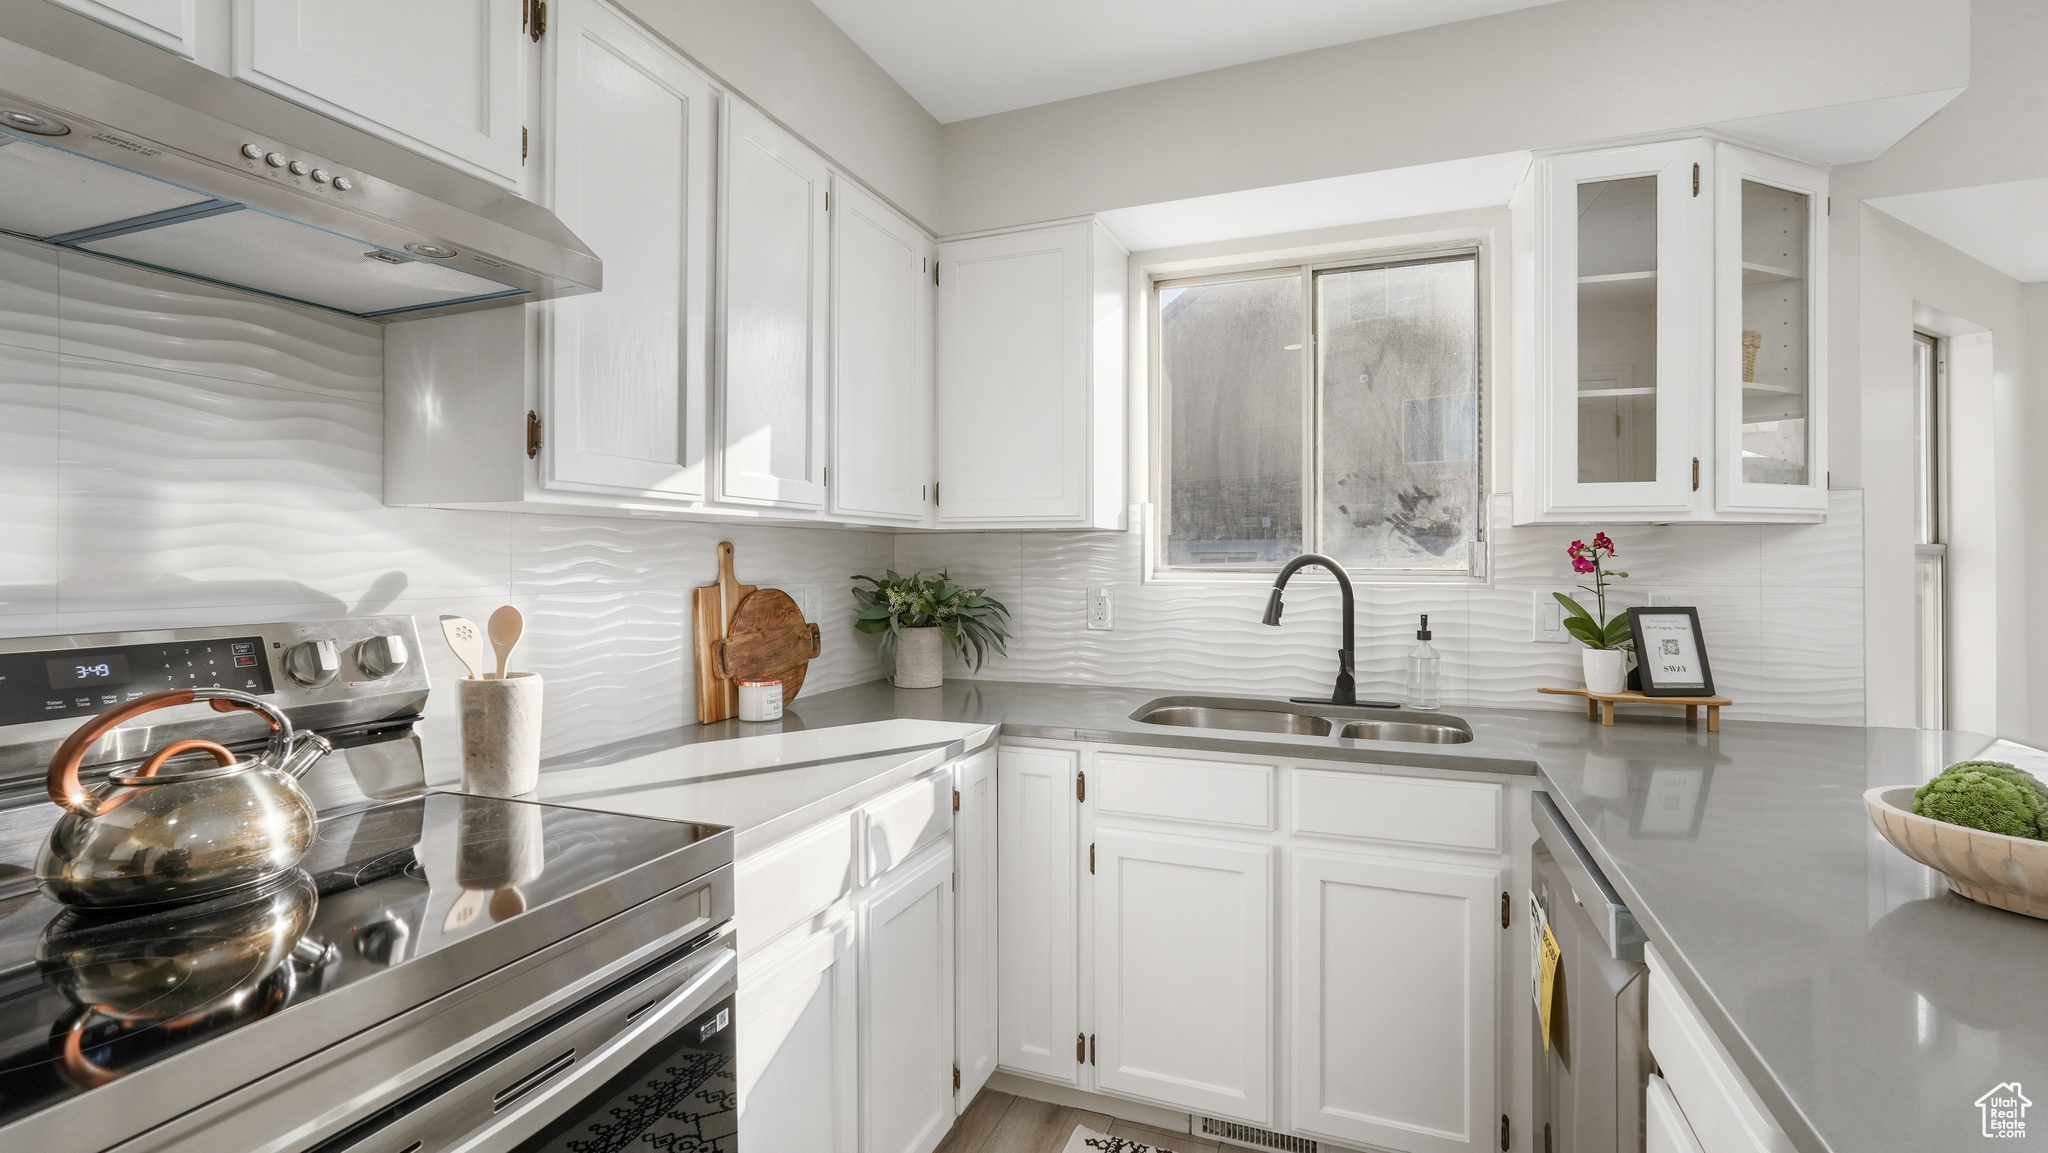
(1305, 720)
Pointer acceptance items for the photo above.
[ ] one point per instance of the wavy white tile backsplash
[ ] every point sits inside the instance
(1781, 606)
(176, 454)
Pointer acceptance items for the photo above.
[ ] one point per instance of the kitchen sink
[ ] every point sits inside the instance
(1256, 716)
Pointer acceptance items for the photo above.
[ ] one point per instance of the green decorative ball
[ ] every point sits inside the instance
(1988, 795)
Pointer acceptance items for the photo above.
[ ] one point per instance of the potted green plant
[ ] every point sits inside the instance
(1607, 639)
(917, 615)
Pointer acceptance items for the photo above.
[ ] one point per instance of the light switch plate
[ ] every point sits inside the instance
(1101, 610)
(809, 601)
(1546, 623)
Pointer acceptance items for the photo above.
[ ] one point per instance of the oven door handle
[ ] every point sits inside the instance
(541, 1105)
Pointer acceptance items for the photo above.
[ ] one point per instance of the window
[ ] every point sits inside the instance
(1323, 408)
(1930, 559)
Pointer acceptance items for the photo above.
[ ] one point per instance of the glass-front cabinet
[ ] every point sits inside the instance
(1668, 346)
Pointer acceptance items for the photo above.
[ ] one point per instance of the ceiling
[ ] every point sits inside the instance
(968, 58)
(2003, 225)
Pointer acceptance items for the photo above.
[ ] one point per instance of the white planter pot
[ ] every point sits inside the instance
(1606, 670)
(920, 657)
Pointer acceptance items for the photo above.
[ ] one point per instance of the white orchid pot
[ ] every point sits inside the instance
(920, 657)
(1606, 670)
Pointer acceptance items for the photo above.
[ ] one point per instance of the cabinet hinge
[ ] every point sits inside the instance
(828, 201)
(1081, 786)
(1503, 1132)
(935, 274)
(1091, 858)
(1504, 906)
(923, 493)
(1695, 192)
(533, 431)
(1695, 474)
(828, 477)
(536, 19)
(956, 882)
(1080, 1048)
(1831, 206)
(935, 494)
(956, 800)
(1091, 1048)
(956, 1078)
(522, 145)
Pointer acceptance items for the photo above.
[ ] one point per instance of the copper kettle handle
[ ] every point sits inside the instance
(63, 783)
(222, 755)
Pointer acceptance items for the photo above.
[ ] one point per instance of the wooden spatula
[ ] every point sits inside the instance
(468, 642)
(507, 626)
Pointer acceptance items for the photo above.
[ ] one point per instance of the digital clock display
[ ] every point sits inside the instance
(100, 669)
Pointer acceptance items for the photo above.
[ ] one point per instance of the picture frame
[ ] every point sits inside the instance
(1671, 653)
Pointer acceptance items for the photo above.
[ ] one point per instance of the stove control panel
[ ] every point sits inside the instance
(298, 663)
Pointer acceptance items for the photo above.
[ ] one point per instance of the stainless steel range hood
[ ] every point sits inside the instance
(111, 146)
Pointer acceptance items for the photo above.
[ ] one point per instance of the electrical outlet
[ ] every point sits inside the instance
(1548, 622)
(1101, 610)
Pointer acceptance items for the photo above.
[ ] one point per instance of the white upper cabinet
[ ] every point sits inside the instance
(1770, 351)
(1031, 374)
(631, 175)
(881, 360)
(446, 78)
(775, 301)
(1641, 270)
(173, 25)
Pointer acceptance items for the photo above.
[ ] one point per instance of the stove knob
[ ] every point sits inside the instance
(312, 662)
(381, 656)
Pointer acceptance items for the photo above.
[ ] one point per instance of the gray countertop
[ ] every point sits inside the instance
(1869, 1007)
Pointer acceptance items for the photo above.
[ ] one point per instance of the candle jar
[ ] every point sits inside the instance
(760, 698)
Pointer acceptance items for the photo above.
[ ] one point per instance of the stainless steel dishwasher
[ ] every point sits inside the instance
(1589, 1083)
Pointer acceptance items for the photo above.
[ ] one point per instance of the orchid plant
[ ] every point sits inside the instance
(1599, 632)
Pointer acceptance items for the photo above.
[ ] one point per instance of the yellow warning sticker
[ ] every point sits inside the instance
(1547, 987)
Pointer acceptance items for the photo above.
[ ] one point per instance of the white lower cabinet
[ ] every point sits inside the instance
(1664, 1126)
(974, 922)
(1395, 972)
(797, 1045)
(906, 1008)
(1036, 911)
(1183, 972)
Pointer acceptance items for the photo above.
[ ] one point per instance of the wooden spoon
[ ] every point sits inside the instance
(468, 642)
(506, 627)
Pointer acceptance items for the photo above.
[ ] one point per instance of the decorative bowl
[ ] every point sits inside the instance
(2009, 873)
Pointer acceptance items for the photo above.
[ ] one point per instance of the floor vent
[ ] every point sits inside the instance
(1262, 1138)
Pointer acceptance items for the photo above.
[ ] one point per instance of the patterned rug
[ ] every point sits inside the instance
(1086, 1140)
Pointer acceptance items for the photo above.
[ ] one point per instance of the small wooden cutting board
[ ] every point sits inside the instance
(713, 607)
(769, 638)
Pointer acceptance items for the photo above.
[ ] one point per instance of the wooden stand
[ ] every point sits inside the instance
(1602, 705)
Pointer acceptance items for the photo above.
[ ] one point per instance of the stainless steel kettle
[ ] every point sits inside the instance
(146, 837)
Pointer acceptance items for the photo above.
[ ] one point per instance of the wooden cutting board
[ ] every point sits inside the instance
(713, 606)
(769, 638)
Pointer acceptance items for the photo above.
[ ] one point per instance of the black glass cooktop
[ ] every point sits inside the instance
(474, 882)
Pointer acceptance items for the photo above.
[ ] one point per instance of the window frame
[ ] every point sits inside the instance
(1306, 269)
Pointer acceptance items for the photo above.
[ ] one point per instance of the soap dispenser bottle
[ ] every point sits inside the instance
(1425, 671)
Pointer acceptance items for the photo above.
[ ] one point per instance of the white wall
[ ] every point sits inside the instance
(175, 454)
(790, 59)
(1556, 74)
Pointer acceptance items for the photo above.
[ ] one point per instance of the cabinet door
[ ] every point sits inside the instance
(974, 913)
(444, 79)
(1183, 972)
(1626, 301)
(631, 176)
(1016, 336)
(1770, 269)
(798, 1046)
(1393, 967)
(772, 385)
(881, 360)
(168, 24)
(1036, 957)
(906, 1009)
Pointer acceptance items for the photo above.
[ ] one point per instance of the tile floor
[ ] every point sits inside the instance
(999, 1123)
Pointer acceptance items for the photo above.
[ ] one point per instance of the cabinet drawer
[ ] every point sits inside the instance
(1719, 1106)
(1664, 1126)
(899, 823)
(1407, 810)
(1184, 789)
(778, 888)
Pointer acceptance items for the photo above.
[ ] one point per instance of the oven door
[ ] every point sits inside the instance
(647, 1061)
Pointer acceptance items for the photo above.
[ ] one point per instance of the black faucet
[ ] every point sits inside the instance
(1346, 690)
